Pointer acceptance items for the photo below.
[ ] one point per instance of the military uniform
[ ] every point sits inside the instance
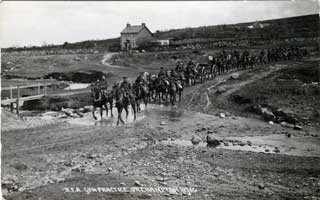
(126, 88)
(162, 73)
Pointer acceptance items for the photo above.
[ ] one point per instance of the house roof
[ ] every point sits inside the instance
(134, 29)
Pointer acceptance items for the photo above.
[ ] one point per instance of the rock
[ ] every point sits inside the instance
(69, 112)
(110, 169)
(276, 150)
(242, 144)
(287, 125)
(267, 115)
(122, 184)
(203, 129)
(235, 76)
(261, 186)
(196, 140)
(10, 184)
(137, 183)
(87, 109)
(271, 122)
(256, 109)
(79, 113)
(213, 140)
(91, 156)
(68, 163)
(249, 143)
(163, 123)
(290, 118)
(221, 89)
(297, 127)
(81, 110)
(222, 115)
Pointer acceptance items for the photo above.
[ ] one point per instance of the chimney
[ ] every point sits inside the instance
(128, 25)
(143, 24)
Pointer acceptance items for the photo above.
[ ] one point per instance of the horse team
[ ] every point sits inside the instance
(168, 84)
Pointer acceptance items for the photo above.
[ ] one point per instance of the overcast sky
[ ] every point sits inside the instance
(33, 23)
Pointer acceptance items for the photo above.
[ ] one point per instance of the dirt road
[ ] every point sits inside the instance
(154, 158)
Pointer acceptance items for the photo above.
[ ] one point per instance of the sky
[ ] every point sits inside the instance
(55, 22)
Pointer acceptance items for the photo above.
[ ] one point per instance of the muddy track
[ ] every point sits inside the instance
(157, 152)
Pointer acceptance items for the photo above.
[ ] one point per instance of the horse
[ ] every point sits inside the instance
(122, 102)
(190, 75)
(100, 99)
(179, 86)
(161, 88)
(152, 86)
(141, 92)
(172, 91)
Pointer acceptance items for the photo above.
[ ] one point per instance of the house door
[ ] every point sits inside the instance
(128, 45)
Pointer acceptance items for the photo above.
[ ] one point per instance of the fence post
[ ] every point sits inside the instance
(17, 100)
(11, 107)
(10, 91)
(38, 88)
(18, 91)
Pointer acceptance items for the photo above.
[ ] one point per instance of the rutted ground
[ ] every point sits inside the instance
(155, 151)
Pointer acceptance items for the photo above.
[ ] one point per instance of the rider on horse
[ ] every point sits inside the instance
(162, 73)
(103, 84)
(126, 87)
(140, 80)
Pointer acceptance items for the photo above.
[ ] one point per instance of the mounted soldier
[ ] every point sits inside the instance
(161, 73)
(126, 87)
(140, 80)
(103, 84)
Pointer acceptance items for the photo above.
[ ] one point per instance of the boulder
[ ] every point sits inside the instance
(235, 76)
(69, 112)
(222, 115)
(256, 109)
(221, 89)
(287, 125)
(213, 140)
(297, 127)
(261, 186)
(196, 140)
(267, 115)
(163, 123)
(137, 183)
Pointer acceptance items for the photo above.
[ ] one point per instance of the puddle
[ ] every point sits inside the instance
(88, 120)
(77, 86)
(296, 146)
(273, 144)
(162, 112)
(159, 112)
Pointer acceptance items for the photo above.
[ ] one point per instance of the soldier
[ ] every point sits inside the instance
(174, 75)
(140, 80)
(162, 73)
(125, 85)
(103, 83)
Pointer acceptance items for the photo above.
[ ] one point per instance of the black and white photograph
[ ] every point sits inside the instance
(216, 100)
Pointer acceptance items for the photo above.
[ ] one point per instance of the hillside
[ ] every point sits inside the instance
(300, 30)
(301, 26)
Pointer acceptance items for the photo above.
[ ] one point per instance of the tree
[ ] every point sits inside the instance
(65, 44)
